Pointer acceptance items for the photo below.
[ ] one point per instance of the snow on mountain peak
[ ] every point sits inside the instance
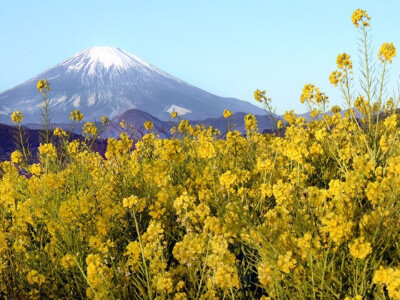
(180, 110)
(109, 81)
(102, 57)
(94, 57)
(108, 57)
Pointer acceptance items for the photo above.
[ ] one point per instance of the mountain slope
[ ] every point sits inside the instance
(109, 81)
(237, 122)
(31, 138)
(136, 119)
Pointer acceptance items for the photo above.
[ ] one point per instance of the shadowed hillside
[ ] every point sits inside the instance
(7, 143)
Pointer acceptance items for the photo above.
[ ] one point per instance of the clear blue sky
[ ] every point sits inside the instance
(229, 48)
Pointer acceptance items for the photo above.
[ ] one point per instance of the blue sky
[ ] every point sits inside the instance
(229, 48)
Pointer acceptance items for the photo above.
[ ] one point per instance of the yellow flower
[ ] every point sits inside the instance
(189, 249)
(104, 120)
(391, 122)
(359, 248)
(148, 125)
(180, 285)
(17, 117)
(337, 227)
(43, 85)
(336, 77)
(47, 150)
(183, 203)
(357, 297)
(68, 261)
(320, 134)
(360, 17)
(139, 204)
(360, 102)
(286, 263)
(314, 113)
(289, 117)
(227, 114)
(73, 147)
(343, 62)
(387, 52)
(304, 243)
(180, 296)
(313, 95)
(336, 109)
(391, 278)
(97, 272)
(34, 277)
(39, 85)
(227, 179)
(226, 277)
(381, 275)
(151, 214)
(184, 126)
(36, 169)
(76, 115)
(265, 274)
(164, 283)
(133, 254)
(60, 132)
(306, 95)
(250, 123)
(259, 96)
(174, 114)
(206, 148)
(89, 129)
(16, 157)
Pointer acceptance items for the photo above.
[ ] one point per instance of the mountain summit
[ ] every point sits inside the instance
(96, 61)
(109, 81)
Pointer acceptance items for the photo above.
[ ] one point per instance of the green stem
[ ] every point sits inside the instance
(143, 258)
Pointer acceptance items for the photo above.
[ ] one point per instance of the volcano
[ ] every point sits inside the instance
(109, 81)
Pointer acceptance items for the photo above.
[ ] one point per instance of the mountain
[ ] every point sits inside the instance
(7, 144)
(109, 81)
(31, 138)
(236, 122)
(136, 118)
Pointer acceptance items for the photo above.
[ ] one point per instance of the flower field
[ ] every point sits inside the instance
(313, 213)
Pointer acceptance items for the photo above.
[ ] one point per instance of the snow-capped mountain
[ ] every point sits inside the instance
(109, 81)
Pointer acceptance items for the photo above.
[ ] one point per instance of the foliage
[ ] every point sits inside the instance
(312, 214)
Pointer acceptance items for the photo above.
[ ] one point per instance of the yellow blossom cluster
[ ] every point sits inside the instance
(76, 115)
(148, 125)
(43, 85)
(309, 214)
(313, 95)
(360, 249)
(174, 114)
(390, 277)
(343, 61)
(387, 52)
(60, 132)
(360, 17)
(16, 157)
(47, 151)
(89, 129)
(17, 117)
(227, 114)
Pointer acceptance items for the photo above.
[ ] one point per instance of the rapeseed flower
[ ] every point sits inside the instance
(387, 52)
(227, 114)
